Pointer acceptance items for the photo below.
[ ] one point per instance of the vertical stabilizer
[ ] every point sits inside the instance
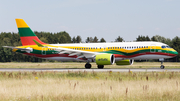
(26, 34)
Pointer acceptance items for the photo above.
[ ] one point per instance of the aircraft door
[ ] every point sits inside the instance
(153, 48)
(43, 50)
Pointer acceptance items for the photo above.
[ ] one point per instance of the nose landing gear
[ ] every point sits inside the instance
(162, 66)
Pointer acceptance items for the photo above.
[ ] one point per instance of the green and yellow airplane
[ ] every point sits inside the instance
(121, 53)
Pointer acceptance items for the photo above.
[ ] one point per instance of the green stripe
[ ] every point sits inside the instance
(25, 32)
(138, 52)
(111, 52)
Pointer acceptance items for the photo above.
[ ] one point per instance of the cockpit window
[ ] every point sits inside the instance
(168, 47)
(163, 46)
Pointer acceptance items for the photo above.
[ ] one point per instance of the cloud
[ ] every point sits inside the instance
(140, 28)
(62, 28)
(157, 29)
(178, 29)
(75, 3)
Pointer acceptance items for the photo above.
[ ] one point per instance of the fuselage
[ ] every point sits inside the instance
(121, 53)
(121, 50)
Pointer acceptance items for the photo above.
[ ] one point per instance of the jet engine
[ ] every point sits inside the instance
(105, 59)
(125, 62)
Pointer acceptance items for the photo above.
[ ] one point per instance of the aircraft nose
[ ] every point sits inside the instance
(175, 52)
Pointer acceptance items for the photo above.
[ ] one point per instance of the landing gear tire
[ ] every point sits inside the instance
(88, 66)
(162, 66)
(100, 66)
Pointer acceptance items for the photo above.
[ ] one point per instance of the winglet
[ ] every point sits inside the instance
(40, 45)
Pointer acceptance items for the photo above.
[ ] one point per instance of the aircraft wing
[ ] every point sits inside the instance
(22, 49)
(79, 53)
(71, 52)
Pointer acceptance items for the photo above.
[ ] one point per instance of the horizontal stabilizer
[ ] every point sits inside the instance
(22, 49)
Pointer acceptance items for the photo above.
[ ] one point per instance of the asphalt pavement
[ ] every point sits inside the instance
(88, 70)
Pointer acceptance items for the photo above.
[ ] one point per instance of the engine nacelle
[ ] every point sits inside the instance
(125, 62)
(105, 59)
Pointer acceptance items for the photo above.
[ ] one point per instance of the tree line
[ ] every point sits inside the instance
(13, 39)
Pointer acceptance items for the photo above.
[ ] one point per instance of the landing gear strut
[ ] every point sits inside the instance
(162, 66)
(88, 65)
(100, 66)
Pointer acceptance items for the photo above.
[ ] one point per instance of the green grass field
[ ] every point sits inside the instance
(81, 65)
(89, 86)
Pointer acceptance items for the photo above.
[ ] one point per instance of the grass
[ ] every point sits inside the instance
(80, 86)
(81, 65)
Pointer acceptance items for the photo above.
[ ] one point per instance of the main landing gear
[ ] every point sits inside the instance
(100, 66)
(88, 66)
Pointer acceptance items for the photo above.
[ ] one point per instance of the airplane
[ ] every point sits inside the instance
(121, 53)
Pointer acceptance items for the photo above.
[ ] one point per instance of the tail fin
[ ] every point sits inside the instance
(26, 34)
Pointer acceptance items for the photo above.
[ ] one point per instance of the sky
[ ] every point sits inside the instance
(106, 19)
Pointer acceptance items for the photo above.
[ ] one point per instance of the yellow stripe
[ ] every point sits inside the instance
(21, 23)
(91, 50)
